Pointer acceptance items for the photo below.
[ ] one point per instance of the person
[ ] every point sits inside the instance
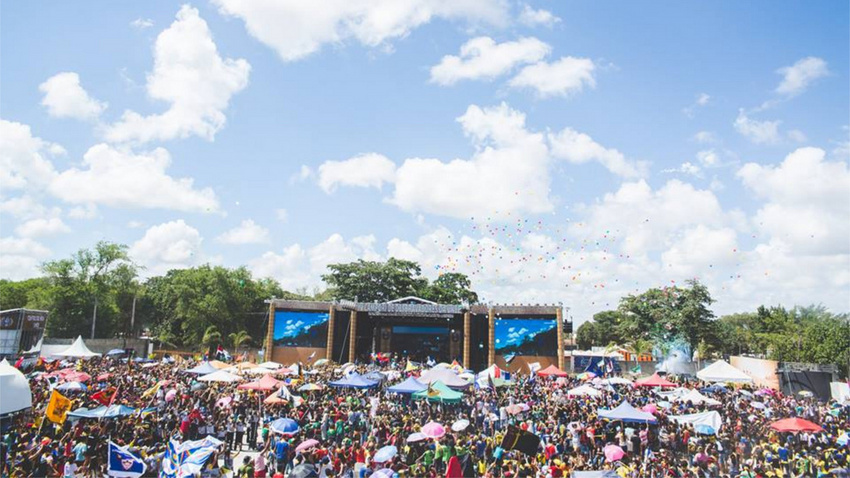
(247, 468)
(281, 454)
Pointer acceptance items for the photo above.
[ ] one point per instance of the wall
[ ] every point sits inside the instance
(519, 364)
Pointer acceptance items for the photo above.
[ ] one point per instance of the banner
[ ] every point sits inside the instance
(518, 439)
(187, 459)
(58, 407)
(763, 372)
(124, 464)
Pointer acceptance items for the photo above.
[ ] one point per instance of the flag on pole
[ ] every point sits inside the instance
(517, 439)
(58, 407)
(124, 464)
(311, 356)
(152, 391)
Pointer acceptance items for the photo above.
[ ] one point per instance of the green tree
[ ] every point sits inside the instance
(368, 281)
(211, 338)
(586, 335)
(29, 293)
(239, 339)
(450, 288)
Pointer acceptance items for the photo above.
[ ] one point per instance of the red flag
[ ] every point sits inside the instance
(100, 397)
(19, 362)
(112, 400)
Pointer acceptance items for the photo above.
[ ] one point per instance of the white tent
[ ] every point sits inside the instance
(840, 392)
(15, 393)
(445, 375)
(697, 398)
(270, 365)
(220, 376)
(584, 391)
(77, 350)
(711, 419)
(722, 371)
(616, 381)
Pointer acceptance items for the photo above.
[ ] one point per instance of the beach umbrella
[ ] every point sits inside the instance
(285, 426)
(460, 425)
(306, 445)
(415, 437)
(795, 425)
(385, 454)
(304, 470)
(613, 453)
(72, 387)
(433, 430)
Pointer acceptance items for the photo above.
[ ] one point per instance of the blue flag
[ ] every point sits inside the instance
(124, 464)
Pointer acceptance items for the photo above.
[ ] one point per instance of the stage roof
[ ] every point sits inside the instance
(415, 307)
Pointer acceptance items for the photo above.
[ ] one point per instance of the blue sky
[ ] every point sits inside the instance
(636, 145)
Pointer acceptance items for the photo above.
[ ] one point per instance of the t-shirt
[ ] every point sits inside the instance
(281, 449)
(80, 450)
(69, 469)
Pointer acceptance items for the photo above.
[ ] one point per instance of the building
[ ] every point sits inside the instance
(21, 331)
(476, 335)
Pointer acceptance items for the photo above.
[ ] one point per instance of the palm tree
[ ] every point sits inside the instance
(239, 339)
(640, 347)
(211, 338)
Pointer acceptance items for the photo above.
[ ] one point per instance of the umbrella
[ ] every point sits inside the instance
(613, 453)
(309, 387)
(72, 387)
(306, 445)
(795, 425)
(433, 430)
(385, 454)
(320, 362)
(460, 425)
(650, 408)
(285, 426)
(170, 395)
(223, 402)
(303, 471)
(103, 377)
(415, 437)
(383, 473)
(758, 405)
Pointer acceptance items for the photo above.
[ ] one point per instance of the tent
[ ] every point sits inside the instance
(411, 385)
(840, 392)
(15, 392)
(626, 413)
(220, 376)
(711, 419)
(270, 365)
(616, 381)
(376, 377)
(439, 392)
(695, 397)
(113, 411)
(77, 350)
(722, 371)
(493, 371)
(202, 369)
(654, 381)
(595, 474)
(584, 391)
(353, 381)
(552, 371)
(795, 425)
(266, 383)
(445, 375)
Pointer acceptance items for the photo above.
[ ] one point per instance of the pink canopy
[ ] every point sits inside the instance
(795, 425)
(654, 381)
(552, 371)
(266, 383)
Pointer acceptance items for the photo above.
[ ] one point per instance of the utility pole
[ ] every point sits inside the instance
(94, 317)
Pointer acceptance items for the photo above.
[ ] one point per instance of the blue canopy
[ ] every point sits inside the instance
(202, 369)
(113, 411)
(626, 413)
(411, 385)
(353, 381)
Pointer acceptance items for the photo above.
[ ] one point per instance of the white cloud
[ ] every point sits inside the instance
(135, 224)
(708, 158)
(364, 170)
(192, 78)
(797, 136)
(703, 98)
(141, 23)
(86, 211)
(704, 137)
(23, 164)
(688, 168)
(296, 29)
(171, 245)
(42, 227)
(304, 173)
(120, 178)
(25, 207)
(580, 148)
(759, 132)
(64, 97)
(563, 77)
(20, 258)
(287, 268)
(483, 58)
(807, 204)
(797, 77)
(699, 250)
(248, 232)
(281, 214)
(532, 17)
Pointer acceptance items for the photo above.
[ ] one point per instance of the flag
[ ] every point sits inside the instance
(609, 367)
(432, 392)
(124, 464)
(58, 407)
(114, 395)
(311, 356)
(409, 367)
(152, 391)
(518, 439)
(490, 382)
(509, 357)
(19, 362)
(636, 369)
(533, 367)
(185, 459)
(101, 397)
(506, 376)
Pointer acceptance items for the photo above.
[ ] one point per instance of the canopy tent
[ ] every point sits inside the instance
(202, 369)
(625, 412)
(711, 419)
(493, 371)
(220, 376)
(353, 381)
(77, 349)
(440, 393)
(795, 425)
(447, 376)
(113, 411)
(219, 364)
(654, 381)
(376, 377)
(15, 392)
(722, 371)
(552, 371)
(616, 381)
(266, 383)
(695, 397)
(584, 391)
(411, 385)
(270, 365)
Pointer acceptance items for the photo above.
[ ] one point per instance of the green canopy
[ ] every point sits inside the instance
(439, 392)
(500, 382)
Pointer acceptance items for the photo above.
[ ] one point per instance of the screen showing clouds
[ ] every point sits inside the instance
(300, 329)
(522, 336)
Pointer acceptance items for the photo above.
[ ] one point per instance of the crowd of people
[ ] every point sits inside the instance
(350, 426)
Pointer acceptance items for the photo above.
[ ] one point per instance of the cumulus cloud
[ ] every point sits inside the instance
(248, 232)
(24, 162)
(708, 158)
(296, 29)
(364, 170)
(580, 148)
(563, 77)
(127, 179)
(141, 23)
(20, 258)
(759, 132)
(42, 227)
(483, 58)
(64, 97)
(192, 78)
(705, 137)
(171, 245)
(532, 17)
(797, 77)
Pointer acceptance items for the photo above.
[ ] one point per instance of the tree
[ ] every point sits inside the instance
(238, 339)
(211, 338)
(586, 335)
(27, 293)
(450, 288)
(368, 281)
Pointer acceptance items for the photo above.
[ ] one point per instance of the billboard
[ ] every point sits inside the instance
(762, 371)
(525, 336)
(300, 329)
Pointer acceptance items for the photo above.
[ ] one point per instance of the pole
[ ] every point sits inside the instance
(94, 317)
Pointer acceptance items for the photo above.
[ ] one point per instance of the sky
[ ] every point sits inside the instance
(556, 152)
